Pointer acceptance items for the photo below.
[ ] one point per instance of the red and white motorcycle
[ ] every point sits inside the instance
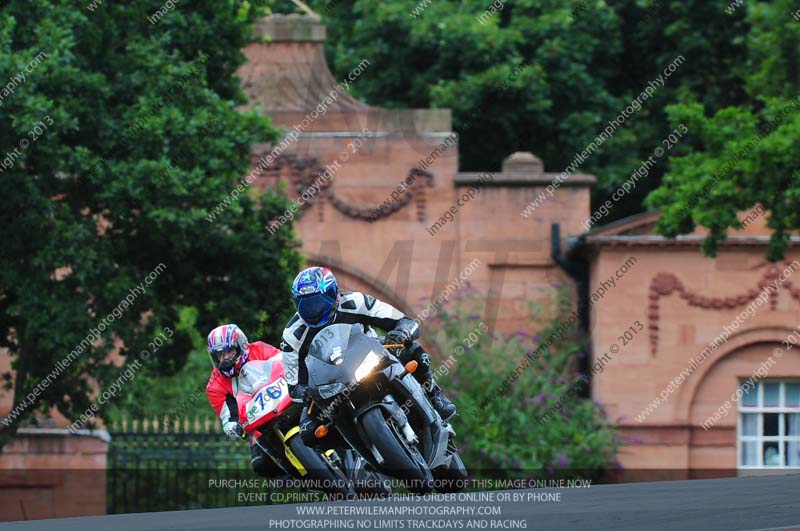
(267, 413)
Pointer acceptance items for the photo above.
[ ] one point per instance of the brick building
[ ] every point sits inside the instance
(406, 247)
(666, 308)
(379, 198)
(705, 378)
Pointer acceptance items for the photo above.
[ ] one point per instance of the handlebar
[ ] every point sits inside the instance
(393, 345)
(386, 342)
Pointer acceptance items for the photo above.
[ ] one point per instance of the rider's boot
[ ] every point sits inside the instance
(424, 376)
(441, 404)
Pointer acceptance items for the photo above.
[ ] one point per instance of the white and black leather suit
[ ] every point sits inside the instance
(352, 308)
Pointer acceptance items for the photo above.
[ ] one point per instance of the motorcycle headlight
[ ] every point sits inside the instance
(332, 389)
(369, 363)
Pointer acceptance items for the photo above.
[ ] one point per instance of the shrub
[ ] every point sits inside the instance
(520, 413)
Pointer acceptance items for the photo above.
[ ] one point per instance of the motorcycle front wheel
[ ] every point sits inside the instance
(400, 460)
(319, 474)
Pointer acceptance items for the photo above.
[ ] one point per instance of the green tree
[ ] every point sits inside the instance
(447, 56)
(541, 76)
(744, 154)
(124, 157)
(179, 395)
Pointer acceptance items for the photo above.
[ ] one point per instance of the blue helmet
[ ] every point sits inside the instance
(315, 292)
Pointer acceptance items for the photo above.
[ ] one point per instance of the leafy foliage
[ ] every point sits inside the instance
(578, 64)
(142, 141)
(171, 399)
(499, 430)
(743, 154)
(542, 76)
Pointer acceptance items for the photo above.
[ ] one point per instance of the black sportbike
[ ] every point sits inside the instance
(381, 410)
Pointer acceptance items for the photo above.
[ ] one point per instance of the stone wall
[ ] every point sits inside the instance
(48, 473)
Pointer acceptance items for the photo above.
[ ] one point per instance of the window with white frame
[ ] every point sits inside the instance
(769, 424)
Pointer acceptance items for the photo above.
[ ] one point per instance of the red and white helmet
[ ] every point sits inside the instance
(221, 341)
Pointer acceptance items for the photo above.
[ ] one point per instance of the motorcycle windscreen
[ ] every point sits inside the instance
(333, 341)
(262, 391)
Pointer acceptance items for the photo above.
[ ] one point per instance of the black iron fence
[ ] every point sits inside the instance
(153, 466)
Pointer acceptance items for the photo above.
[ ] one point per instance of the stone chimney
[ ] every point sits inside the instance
(287, 77)
(286, 70)
(291, 28)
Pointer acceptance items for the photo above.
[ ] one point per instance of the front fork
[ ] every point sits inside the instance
(330, 456)
(267, 443)
(277, 443)
(287, 450)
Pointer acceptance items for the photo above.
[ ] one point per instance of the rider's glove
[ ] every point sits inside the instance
(299, 393)
(398, 336)
(233, 430)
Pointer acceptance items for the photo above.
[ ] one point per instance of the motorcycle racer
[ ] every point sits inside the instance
(319, 304)
(229, 351)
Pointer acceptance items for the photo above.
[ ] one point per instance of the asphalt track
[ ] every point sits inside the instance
(754, 503)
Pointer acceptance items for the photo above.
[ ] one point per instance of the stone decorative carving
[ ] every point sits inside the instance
(304, 175)
(663, 284)
(418, 179)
